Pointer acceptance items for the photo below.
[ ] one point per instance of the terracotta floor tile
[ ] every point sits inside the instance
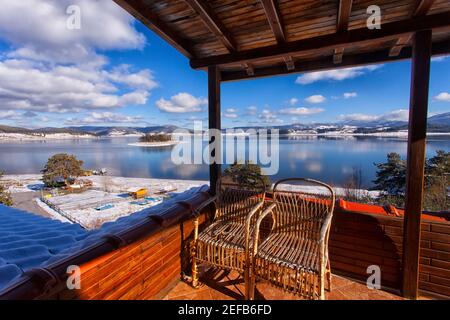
(338, 282)
(336, 294)
(343, 289)
(198, 295)
(182, 288)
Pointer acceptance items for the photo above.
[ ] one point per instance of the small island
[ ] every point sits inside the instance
(155, 140)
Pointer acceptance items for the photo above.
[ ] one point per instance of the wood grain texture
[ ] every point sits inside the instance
(418, 110)
(214, 118)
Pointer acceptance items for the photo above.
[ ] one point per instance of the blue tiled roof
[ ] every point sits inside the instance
(28, 241)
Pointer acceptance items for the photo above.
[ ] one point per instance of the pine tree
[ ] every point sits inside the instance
(437, 182)
(391, 175)
(247, 175)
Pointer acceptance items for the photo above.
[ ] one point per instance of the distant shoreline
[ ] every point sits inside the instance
(50, 136)
(17, 137)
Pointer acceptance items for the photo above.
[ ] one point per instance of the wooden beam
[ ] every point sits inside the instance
(290, 64)
(214, 123)
(249, 69)
(360, 36)
(273, 16)
(345, 8)
(417, 131)
(142, 12)
(323, 64)
(422, 9)
(338, 54)
(213, 22)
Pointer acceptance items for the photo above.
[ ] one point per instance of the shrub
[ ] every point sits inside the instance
(60, 168)
(5, 196)
(247, 175)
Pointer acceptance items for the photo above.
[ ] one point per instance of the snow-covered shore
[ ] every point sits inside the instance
(42, 137)
(394, 134)
(30, 182)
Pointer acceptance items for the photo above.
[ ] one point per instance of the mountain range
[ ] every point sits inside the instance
(439, 123)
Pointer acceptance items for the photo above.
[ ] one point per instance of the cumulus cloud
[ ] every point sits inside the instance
(302, 111)
(318, 98)
(104, 118)
(182, 102)
(443, 96)
(32, 86)
(252, 111)
(267, 116)
(52, 68)
(348, 95)
(9, 115)
(396, 115)
(42, 33)
(230, 113)
(293, 101)
(335, 75)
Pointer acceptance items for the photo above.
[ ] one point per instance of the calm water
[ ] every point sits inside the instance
(327, 159)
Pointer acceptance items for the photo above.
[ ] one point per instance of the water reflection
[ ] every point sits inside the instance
(330, 159)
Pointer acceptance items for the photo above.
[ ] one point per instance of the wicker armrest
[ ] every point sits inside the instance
(254, 210)
(324, 230)
(267, 211)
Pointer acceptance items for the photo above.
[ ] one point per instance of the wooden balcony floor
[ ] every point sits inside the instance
(228, 286)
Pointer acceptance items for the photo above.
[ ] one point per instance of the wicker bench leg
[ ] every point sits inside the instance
(329, 275)
(194, 269)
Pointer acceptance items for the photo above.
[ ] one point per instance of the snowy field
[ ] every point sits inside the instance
(81, 207)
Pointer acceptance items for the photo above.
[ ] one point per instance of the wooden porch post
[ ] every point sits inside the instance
(418, 108)
(214, 120)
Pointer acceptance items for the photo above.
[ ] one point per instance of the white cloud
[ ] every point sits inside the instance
(38, 30)
(336, 75)
(348, 95)
(31, 86)
(230, 115)
(54, 69)
(252, 111)
(293, 101)
(181, 102)
(439, 59)
(267, 116)
(104, 118)
(396, 115)
(318, 98)
(9, 115)
(443, 96)
(301, 111)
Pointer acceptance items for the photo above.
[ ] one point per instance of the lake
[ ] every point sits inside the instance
(324, 158)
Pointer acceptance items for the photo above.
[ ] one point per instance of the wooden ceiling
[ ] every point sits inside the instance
(255, 38)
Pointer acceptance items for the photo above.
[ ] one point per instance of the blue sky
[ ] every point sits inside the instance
(126, 75)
